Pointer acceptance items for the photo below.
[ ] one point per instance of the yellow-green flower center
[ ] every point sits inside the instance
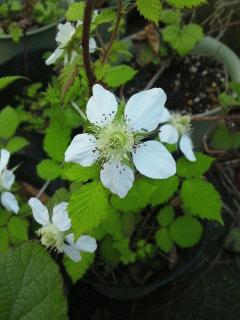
(181, 123)
(51, 237)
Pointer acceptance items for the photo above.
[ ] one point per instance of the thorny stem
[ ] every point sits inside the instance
(85, 43)
(114, 33)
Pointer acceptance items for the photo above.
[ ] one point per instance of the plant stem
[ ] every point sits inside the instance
(85, 43)
(114, 33)
(215, 118)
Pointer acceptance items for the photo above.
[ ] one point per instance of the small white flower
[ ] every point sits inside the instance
(83, 244)
(116, 143)
(53, 228)
(177, 129)
(7, 179)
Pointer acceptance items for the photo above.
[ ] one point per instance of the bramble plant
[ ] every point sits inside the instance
(119, 158)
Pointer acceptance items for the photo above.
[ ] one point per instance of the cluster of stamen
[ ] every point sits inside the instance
(51, 237)
(181, 123)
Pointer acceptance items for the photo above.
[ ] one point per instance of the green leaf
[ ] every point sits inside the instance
(235, 86)
(185, 3)
(108, 253)
(16, 32)
(126, 254)
(30, 285)
(105, 16)
(194, 169)
(112, 225)
(232, 240)
(184, 39)
(224, 139)
(4, 244)
(76, 270)
(163, 240)
(165, 189)
(201, 199)
(8, 122)
(18, 228)
(75, 172)
(227, 100)
(119, 75)
(151, 9)
(57, 136)
(165, 216)
(186, 231)
(4, 216)
(170, 16)
(75, 11)
(48, 169)
(88, 207)
(16, 144)
(5, 81)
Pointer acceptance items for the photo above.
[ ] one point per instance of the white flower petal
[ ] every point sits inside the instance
(143, 110)
(82, 150)
(153, 160)
(8, 178)
(166, 116)
(4, 159)
(102, 106)
(92, 45)
(65, 33)
(9, 202)
(168, 134)
(72, 252)
(54, 56)
(117, 177)
(70, 239)
(86, 244)
(186, 146)
(40, 212)
(60, 217)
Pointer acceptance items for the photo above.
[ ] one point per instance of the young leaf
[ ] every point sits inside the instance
(182, 39)
(194, 169)
(126, 254)
(201, 199)
(163, 240)
(76, 270)
(48, 169)
(5, 81)
(185, 3)
(119, 75)
(186, 231)
(8, 122)
(170, 16)
(224, 139)
(16, 144)
(105, 16)
(151, 9)
(227, 100)
(165, 216)
(88, 207)
(75, 11)
(30, 285)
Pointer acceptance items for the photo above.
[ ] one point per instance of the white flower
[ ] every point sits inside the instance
(64, 35)
(177, 129)
(83, 244)
(116, 143)
(7, 179)
(53, 228)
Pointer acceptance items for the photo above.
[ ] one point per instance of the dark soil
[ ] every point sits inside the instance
(192, 84)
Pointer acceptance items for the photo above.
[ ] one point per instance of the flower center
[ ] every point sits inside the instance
(181, 123)
(114, 141)
(51, 237)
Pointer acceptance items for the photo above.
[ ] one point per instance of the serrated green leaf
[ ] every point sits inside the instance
(48, 169)
(224, 139)
(75, 11)
(75, 172)
(186, 231)
(8, 122)
(112, 225)
(151, 9)
(76, 270)
(186, 3)
(165, 189)
(57, 136)
(194, 169)
(163, 240)
(4, 243)
(5, 81)
(88, 207)
(18, 228)
(169, 16)
(200, 198)
(30, 285)
(105, 16)
(165, 216)
(184, 39)
(16, 144)
(119, 75)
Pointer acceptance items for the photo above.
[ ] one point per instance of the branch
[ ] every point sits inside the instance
(85, 43)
